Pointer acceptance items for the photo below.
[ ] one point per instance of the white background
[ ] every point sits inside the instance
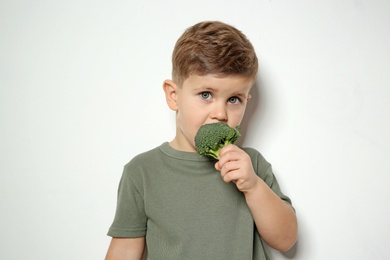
(80, 95)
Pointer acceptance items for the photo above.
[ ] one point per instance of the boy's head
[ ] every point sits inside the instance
(213, 48)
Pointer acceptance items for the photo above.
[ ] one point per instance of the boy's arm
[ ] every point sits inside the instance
(275, 219)
(126, 249)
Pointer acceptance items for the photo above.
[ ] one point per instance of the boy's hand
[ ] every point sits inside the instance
(235, 165)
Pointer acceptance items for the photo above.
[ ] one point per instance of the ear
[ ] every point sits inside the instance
(170, 89)
(249, 97)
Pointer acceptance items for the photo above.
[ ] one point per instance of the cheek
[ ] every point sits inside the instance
(190, 118)
(193, 119)
(193, 110)
(237, 115)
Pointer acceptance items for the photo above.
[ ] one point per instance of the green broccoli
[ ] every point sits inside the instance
(211, 138)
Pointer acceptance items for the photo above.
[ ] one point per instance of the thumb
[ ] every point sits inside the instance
(216, 165)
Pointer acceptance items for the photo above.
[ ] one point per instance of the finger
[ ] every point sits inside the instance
(228, 157)
(228, 148)
(216, 166)
(229, 167)
(231, 177)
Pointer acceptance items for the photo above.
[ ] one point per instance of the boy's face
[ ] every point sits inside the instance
(203, 100)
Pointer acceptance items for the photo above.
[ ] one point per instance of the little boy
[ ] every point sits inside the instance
(185, 206)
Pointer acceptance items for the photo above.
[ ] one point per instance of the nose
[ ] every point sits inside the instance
(219, 113)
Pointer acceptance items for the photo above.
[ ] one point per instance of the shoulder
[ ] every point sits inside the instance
(140, 164)
(255, 155)
(264, 170)
(144, 158)
(261, 166)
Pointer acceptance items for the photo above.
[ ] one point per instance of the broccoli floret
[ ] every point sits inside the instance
(211, 138)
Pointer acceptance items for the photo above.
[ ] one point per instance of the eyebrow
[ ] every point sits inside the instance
(240, 94)
(212, 89)
(203, 87)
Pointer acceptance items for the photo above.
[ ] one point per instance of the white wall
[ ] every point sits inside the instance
(80, 91)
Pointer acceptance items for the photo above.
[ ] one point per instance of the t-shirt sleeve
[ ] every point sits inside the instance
(130, 218)
(264, 170)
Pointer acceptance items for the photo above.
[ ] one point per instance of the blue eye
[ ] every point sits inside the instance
(205, 95)
(234, 100)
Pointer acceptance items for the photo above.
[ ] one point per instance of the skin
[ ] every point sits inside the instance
(202, 100)
(208, 99)
(126, 249)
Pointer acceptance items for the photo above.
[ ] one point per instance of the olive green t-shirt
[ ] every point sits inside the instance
(184, 208)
